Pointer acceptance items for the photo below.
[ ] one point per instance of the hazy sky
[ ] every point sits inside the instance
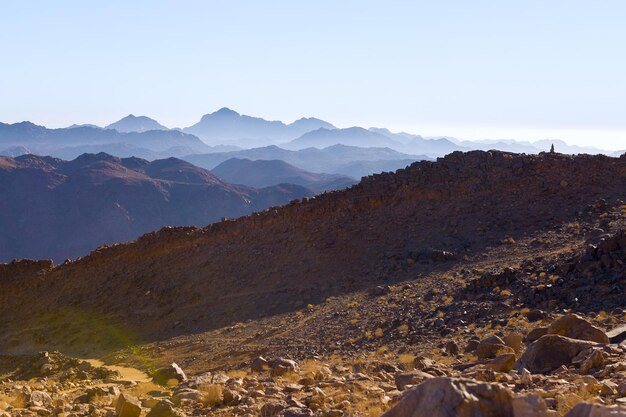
(475, 69)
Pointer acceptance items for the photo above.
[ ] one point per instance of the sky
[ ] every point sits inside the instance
(471, 69)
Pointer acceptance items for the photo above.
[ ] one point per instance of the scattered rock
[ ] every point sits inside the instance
(575, 327)
(550, 352)
(127, 406)
(596, 410)
(451, 397)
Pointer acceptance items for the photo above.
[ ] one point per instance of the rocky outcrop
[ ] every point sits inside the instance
(550, 352)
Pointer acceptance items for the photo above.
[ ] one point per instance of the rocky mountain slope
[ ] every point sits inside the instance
(62, 209)
(262, 173)
(485, 283)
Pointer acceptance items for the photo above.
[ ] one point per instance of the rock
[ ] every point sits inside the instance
(575, 327)
(422, 362)
(380, 290)
(259, 364)
(595, 360)
(272, 409)
(297, 412)
(535, 315)
(529, 405)
(454, 397)
(607, 388)
(167, 375)
(514, 341)
(502, 363)
(410, 378)
(550, 352)
(127, 406)
(617, 335)
(621, 389)
(452, 348)
(165, 408)
(283, 366)
(472, 345)
(536, 333)
(39, 399)
(491, 347)
(526, 378)
(596, 410)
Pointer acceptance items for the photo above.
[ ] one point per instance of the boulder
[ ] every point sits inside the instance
(410, 378)
(39, 399)
(514, 340)
(283, 366)
(165, 408)
(530, 405)
(454, 397)
(596, 410)
(491, 347)
(259, 364)
(575, 327)
(165, 376)
(550, 352)
(617, 335)
(502, 363)
(127, 406)
(536, 333)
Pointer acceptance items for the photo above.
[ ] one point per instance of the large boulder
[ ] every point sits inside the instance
(282, 366)
(550, 352)
(575, 327)
(453, 397)
(128, 406)
(169, 375)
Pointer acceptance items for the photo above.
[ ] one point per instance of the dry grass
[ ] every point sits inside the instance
(213, 394)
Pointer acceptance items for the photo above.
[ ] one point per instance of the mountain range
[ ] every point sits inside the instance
(59, 209)
(265, 173)
(132, 123)
(350, 161)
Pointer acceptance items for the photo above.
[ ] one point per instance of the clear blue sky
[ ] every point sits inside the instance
(499, 69)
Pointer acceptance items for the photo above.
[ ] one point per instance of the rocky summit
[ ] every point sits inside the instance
(482, 284)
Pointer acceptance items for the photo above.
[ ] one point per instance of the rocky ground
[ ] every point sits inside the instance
(521, 322)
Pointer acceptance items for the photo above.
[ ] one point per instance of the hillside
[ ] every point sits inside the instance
(62, 209)
(458, 277)
(262, 173)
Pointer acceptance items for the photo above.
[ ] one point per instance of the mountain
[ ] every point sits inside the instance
(59, 209)
(133, 123)
(42, 140)
(483, 283)
(263, 173)
(335, 159)
(353, 136)
(226, 126)
(424, 146)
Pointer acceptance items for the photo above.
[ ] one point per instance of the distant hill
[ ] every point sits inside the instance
(132, 123)
(334, 159)
(42, 140)
(353, 136)
(264, 173)
(226, 125)
(59, 209)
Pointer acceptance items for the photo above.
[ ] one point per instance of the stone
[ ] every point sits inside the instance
(617, 335)
(550, 352)
(502, 363)
(526, 378)
(536, 333)
(410, 378)
(514, 341)
(454, 397)
(596, 410)
(607, 388)
(472, 345)
(164, 408)
(259, 364)
(529, 405)
(127, 406)
(39, 399)
(422, 362)
(575, 327)
(535, 315)
(491, 347)
(452, 348)
(595, 360)
(283, 366)
(169, 374)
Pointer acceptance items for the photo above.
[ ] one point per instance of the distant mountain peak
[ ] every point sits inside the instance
(225, 111)
(132, 123)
